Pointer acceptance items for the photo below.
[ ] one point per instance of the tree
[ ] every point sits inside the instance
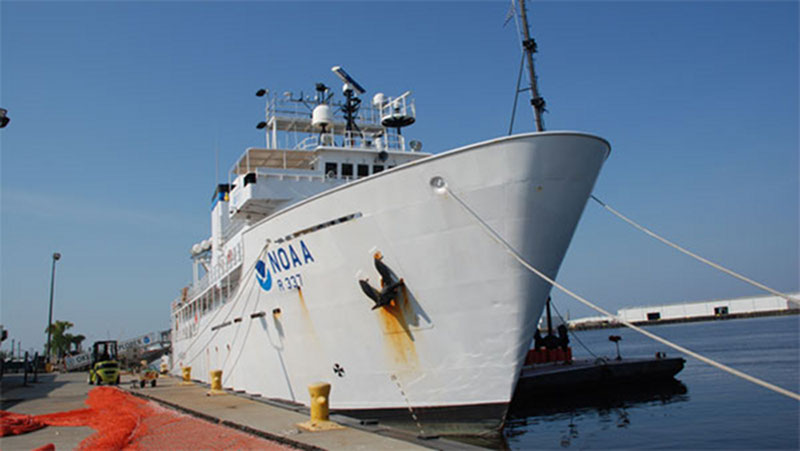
(60, 341)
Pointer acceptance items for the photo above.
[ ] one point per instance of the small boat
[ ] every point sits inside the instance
(557, 378)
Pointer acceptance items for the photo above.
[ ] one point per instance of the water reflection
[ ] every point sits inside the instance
(610, 406)
(601, 400)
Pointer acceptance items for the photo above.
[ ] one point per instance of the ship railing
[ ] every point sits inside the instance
(285, 107)
(282, 174)
(354, 139)
(391, 141)
(400, 107)
(224, 267)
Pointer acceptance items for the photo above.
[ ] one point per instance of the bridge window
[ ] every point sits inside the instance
(330, 170)
(653, 316)
(347, 170)
(363, 170)
(377, 168)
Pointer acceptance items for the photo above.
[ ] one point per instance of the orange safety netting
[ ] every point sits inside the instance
(15, 423)
(123, 421)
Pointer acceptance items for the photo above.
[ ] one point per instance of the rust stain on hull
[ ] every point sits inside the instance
(397, 336)
(307, 317)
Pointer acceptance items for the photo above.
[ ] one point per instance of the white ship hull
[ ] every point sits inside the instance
(456, 342)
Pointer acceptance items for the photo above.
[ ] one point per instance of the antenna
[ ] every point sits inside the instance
(529, 45)
(321, 90)
(352, 104)
(347, 79)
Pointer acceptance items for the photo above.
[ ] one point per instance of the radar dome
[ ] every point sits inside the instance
(322, 117)
(378, 100)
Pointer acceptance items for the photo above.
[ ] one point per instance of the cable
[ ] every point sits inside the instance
(214, 333)
(229, 371)
(574, 335)
(693, 255)
(499, 239)
(237, 296)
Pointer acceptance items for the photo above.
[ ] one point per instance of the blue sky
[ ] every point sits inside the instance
(117, 108)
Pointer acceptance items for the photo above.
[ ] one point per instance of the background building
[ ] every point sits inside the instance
(695, 311)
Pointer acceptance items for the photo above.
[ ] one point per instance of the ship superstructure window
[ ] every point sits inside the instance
(377, 168)
(653, 316)
(363, 170)
(330, 170)
(347, 170)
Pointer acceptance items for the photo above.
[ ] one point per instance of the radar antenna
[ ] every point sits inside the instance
(350, 107)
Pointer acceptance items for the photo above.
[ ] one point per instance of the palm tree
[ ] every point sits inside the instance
(60, 340)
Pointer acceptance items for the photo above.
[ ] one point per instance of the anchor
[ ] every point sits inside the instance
(389, 293)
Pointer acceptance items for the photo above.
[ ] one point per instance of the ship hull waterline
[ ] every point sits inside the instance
(456, 337)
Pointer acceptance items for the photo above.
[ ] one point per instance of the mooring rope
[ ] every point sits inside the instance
(693, 255)
(229, 371)
(237, 295)
(510, 250)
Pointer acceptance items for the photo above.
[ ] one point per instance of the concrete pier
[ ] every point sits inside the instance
(264, 419)
(52, 393)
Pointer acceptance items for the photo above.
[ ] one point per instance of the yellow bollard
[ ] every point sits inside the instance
(319, 421)
(187, 375)
(319, 401)
(216, 383)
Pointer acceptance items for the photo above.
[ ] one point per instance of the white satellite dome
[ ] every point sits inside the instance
(322, 117)
(378, 100)
(196, 249)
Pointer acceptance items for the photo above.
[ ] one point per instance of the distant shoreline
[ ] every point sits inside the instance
(611, 324)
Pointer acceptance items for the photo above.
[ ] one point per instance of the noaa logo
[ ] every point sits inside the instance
(263, 275)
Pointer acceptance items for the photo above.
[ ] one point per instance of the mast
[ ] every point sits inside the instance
(530, 48)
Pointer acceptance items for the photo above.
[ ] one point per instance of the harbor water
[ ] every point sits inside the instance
(707, 409)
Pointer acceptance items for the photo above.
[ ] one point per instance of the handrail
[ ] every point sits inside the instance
(216, 273)
(293, 116)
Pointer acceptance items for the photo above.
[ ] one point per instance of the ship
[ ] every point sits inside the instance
(342, 252)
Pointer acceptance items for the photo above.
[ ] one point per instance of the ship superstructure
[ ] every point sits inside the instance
(313, 144)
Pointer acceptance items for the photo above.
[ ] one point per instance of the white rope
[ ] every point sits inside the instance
(693, 255)
(488, 229)
(229, 371)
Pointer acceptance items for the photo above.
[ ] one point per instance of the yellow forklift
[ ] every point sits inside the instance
(105, 364)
